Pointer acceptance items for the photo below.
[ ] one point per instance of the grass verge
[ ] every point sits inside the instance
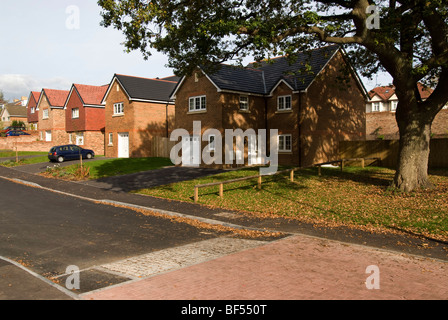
(8, 154)
(106, 168)
(356, 197)
(24, 161)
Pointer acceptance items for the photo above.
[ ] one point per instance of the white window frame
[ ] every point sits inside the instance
(393, 105)
(70, 138)
(48, 136)
(118, 108)
(75, 113)
(376, 106)
(244, 103)
(282, 143)
(284, 103)
(33, 110)
(197, 103)
(79, 138)
(111, 139)
(45, 114)
(211, 142)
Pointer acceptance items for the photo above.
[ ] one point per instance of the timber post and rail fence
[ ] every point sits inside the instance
(291, 171)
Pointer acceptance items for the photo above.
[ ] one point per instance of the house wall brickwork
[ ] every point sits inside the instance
(383, 125)
(142, 120)
(93, 140)
(222, 110)
(329, 111)
(90, 123)
(32, 103)
(55, 123)
(333, 110)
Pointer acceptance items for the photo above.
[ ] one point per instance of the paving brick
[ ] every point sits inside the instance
(294, 268)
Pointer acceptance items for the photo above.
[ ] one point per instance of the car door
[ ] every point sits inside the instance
(74, 152)
(65, 152)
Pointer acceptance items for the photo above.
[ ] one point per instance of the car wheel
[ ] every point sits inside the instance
(60, 159)
(89, 156)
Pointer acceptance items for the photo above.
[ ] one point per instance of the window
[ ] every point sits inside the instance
(111, 139)
(70, 138)
(75, 113)
(197, 103)
(211, 143)
(45, 114)
(79, 139)
(118, 108)
(376, 106)
(284, 103)
(284, 143)
(244, 103)
(393, 105)
(33, 110)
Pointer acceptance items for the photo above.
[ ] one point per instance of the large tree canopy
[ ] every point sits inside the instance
(408, 39)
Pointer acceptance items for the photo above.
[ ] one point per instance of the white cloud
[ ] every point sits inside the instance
(18, 85)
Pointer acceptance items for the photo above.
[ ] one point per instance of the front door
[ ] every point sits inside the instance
(252, 153)
(123, 145)
(191, 146)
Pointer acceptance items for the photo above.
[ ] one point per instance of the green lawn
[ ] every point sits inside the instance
(24, 161)
(109, 167)
(7, 154)
(358, 197)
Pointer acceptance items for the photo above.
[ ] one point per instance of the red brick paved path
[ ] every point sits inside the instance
(294, 268)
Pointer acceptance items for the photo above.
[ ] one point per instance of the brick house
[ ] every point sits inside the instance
(380, 114)
(32, 111)
(12, 112)
(85, 116)
(136, 110)
(51, 115)
(311, 110)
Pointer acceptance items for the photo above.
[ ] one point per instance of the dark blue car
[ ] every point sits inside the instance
(15, 133)
(69, 152)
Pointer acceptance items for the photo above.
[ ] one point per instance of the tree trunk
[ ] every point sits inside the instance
(413, 158)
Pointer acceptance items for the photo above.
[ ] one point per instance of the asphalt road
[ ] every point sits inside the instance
(46, 232)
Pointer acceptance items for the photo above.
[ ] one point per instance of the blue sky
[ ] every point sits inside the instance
(40, 51)
(44, 46)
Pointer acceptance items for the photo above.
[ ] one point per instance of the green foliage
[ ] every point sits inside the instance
(205, 32)
(410, 43)
(18, 123)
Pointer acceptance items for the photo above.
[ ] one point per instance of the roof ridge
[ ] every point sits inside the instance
(137, 77)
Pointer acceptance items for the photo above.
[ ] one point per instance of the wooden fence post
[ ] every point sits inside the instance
(221, 190)
(196, 194)
(291, 175)
(342, 164)
(259, 182)
(319, 170)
